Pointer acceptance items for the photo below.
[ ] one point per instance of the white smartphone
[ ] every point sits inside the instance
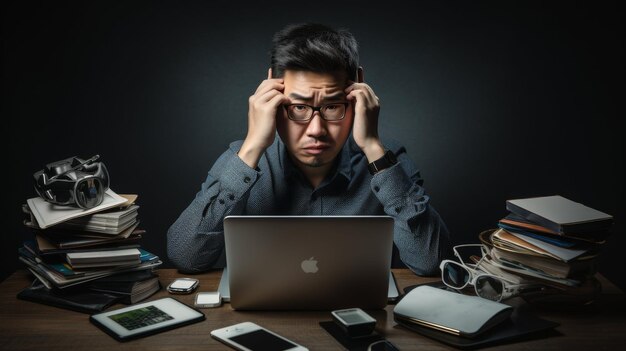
(248, 336)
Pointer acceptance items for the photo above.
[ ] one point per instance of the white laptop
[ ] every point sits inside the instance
(308, 262)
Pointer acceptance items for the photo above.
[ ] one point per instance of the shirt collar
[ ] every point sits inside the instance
(345, 156)
(289, 169)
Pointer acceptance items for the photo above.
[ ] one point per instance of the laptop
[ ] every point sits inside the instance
(308, 262)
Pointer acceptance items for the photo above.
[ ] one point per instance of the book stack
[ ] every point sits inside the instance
(95, 250)
(549, 240)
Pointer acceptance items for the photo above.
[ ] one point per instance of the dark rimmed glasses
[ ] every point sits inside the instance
(335, 111)
(459, 275)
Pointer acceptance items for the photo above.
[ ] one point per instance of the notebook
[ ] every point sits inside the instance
(307, 262)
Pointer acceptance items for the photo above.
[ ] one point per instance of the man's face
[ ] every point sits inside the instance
(317, 142)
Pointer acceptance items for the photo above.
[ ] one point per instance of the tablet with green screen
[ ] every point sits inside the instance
(146, 318)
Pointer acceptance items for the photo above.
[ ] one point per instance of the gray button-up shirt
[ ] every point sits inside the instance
(195, 242)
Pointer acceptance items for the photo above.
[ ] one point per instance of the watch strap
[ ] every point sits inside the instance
(388, 160)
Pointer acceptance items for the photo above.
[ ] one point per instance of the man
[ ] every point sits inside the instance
(328, 159)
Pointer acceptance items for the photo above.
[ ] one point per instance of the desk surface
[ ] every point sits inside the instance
(31, 326)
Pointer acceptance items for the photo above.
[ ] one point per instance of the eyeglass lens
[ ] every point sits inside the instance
(455, 276)
(331, 112)
(60, 191)
(489, 288)
(61, 197)
(89, 193)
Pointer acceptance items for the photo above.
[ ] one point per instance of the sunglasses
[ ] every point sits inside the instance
(73, 182)
(459, 275)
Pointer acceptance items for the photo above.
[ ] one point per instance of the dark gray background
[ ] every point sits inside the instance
(493, 100)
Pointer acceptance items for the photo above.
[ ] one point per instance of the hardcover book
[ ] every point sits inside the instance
(50, 241)
(132, 287)
(560, 215)
(521, 223)
(88, 259)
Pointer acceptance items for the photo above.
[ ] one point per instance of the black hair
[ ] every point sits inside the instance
(314, 47)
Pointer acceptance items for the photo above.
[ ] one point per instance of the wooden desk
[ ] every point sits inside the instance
(31, 326)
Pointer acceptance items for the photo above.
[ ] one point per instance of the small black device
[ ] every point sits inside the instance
(354, 322)
(73, 181)
(183, 285)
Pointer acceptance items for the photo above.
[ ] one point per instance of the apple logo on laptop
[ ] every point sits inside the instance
(309, 266)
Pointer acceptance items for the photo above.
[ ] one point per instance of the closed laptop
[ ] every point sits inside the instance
(308, 262)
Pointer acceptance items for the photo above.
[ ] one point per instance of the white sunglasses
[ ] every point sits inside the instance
(459, 275)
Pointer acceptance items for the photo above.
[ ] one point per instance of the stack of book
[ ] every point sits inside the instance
(95, 250)
(549, 240)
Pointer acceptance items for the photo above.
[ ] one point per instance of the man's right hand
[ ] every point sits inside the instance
(263, 106)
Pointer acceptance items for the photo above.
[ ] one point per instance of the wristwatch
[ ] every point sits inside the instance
(388, 160)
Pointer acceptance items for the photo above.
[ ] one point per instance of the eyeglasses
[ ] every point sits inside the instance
(459, 275)
(335, 111)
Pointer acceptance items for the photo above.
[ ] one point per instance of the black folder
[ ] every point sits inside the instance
(79, 300)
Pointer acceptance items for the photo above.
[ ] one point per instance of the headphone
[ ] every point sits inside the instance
(73, 182)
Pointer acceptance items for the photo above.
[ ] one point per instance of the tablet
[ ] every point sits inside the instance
(146, 318)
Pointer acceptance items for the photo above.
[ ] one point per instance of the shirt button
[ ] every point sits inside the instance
(231, 196)
(246, 180)
(398, 209)
(221, 201)
(376, 189)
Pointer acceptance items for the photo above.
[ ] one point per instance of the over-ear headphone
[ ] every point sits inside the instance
(73, 181)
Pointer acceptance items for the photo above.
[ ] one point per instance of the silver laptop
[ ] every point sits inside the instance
(308, 262)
